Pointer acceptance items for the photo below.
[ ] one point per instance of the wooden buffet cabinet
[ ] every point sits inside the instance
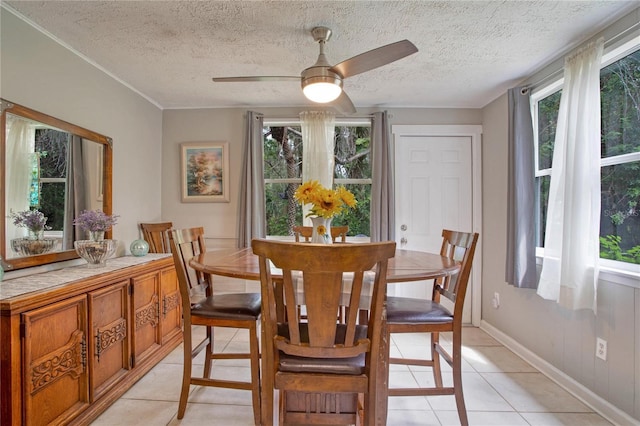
(74, 340)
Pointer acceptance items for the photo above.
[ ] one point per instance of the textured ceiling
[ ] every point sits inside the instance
(470, 52)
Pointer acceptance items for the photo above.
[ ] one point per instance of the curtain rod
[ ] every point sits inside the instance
(359, 117)
(613, 39)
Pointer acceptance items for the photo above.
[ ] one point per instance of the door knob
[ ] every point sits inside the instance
(403, 227)
(403, 241)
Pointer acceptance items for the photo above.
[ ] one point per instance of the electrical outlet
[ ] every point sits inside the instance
(601, 349)
(496, 300)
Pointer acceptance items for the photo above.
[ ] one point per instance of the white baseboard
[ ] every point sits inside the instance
(585, 395)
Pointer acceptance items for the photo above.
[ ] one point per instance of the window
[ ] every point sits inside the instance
(49, 176)
(283, 169)
(620, 156)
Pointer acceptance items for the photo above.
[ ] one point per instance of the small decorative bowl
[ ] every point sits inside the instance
(95, 252)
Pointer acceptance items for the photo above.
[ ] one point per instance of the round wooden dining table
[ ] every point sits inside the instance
(407, 265)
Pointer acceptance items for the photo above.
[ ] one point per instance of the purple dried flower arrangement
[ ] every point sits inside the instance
(34, 220)
(95, 221)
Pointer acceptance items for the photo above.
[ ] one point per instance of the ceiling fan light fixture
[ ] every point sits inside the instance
(321, 89)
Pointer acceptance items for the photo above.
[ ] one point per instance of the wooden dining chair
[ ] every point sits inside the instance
(409, 315)
(306, 232)
(239, 310)
(156, 234)
(320, 366)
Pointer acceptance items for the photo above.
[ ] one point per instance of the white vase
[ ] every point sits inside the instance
(36, 235)
(321, 230)
(96, 235)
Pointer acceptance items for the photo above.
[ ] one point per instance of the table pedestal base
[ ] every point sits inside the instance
(320, 408)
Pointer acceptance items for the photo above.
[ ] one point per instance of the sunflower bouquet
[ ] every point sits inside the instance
(325, 202)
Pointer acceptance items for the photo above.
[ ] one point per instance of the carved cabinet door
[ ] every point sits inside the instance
(171, 315)
(55, 381)
(109, 348)
(145, 303)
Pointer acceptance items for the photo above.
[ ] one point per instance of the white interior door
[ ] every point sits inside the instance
(434, 190)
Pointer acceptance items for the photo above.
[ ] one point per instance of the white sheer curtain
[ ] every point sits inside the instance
(318, 134)
(20, 147)
(571, 249)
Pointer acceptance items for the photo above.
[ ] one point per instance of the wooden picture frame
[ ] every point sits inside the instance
(204, 172)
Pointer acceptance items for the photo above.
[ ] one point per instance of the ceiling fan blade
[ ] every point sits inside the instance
(255, 78)
(375, 58)
(343, 104)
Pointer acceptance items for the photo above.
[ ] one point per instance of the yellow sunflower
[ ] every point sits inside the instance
(346, 196)
(325, 202)
(306, 193)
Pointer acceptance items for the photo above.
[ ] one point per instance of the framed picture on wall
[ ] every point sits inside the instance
(204, 172)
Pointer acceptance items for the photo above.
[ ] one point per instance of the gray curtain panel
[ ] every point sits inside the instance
(382, 187)
(521, 257)
(252, 220)
(75, 200)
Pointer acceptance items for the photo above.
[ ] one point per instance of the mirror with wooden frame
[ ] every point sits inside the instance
(57, 168)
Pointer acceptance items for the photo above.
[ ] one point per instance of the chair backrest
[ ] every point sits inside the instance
(156, 235)
(307, 231)
(324, 269)
(185, 244)
(459, 246)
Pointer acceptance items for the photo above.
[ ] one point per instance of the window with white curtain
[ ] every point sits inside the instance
(620, 154)
(283, 173)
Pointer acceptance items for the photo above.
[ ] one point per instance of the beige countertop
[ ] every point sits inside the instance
(19, 286)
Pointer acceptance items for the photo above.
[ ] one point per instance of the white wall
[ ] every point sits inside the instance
(40, 74)
(564, 339)
(202, 125)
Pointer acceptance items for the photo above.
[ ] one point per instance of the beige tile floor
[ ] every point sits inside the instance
(500, 389)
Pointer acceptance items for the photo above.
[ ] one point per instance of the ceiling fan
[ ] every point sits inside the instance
(322, 82)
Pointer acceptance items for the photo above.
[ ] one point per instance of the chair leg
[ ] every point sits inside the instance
(361, 417)
(186, 370)
(255, 371)
(435, 357)
(281, 407)
(267, 389)
(457, 378)
(369, 413)
(208, 358)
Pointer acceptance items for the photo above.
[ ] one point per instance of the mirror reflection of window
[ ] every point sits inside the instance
(55, 167)
(37, 177)
(51, 151)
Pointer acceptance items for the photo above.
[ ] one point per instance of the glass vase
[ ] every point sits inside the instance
(35, 235)
(96, 235)
(321, 233)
